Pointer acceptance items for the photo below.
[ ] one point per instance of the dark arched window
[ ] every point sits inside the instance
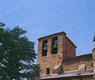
(44, 48)
(54, 45)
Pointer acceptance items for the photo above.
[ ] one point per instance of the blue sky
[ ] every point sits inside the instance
(44, 17)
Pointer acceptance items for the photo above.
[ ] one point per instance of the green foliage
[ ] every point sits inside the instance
(16, 54)
(33, 74)
(2, 24)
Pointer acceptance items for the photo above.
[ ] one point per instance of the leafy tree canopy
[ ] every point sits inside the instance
(17, 54)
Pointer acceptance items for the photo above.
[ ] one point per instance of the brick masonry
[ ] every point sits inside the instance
(66, 49)
(66, 56)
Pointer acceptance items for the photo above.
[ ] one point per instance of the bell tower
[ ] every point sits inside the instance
(52, 49)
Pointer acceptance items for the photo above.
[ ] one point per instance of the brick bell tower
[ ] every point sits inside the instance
(52, 49)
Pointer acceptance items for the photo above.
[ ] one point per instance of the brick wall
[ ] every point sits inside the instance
(53, 60)
(50, 60)
(72, 64)
(70, 50)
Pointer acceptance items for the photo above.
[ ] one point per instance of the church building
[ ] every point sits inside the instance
(58, 61)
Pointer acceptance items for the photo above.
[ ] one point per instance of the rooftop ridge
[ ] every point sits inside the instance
(89, 54)
(55, 35)
(52, 35)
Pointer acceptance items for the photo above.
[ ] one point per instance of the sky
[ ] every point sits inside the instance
(45, 17)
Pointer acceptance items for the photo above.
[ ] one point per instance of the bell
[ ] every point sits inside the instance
(94, 39)
(45, 48)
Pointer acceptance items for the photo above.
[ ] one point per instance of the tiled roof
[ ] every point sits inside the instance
(71, 74)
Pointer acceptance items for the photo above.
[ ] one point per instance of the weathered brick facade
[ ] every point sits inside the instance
(66, 49)
(72, 64)
(66, 59)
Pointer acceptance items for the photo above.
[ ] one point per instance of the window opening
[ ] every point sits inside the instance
(47, 71)
(44, 49)
(54, 45)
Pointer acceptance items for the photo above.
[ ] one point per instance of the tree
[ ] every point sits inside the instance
(17, 54)
(2, 24)
(33, 74)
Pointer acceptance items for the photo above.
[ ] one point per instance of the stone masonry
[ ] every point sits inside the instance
(66, 49)
(72, 67)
